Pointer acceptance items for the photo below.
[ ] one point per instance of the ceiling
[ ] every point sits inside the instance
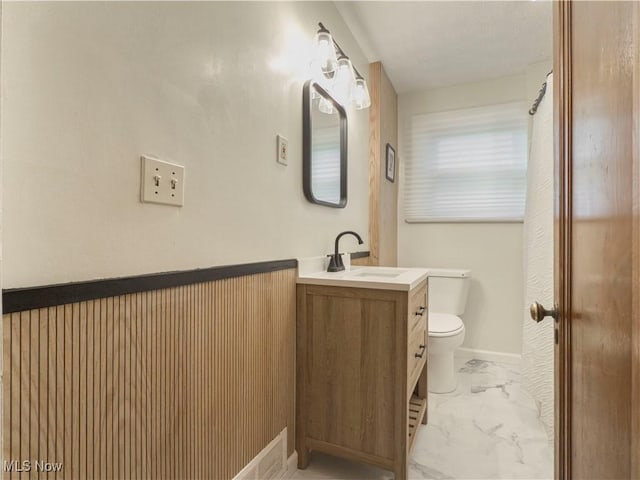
(426, 44)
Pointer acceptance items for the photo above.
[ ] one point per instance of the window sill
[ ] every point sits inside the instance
(465, 220)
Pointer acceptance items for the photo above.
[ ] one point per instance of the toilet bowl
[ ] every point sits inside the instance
(448, 291)
(446, 333)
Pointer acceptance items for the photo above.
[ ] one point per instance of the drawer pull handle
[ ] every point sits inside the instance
(421, 310)
(419, 355)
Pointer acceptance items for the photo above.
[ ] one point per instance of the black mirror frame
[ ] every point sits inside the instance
(306, 145)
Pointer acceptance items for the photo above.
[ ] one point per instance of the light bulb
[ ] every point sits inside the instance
(324, 56)
(325, 106)
(344, 80)
(360, 95)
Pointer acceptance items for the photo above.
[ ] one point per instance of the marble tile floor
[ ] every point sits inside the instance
(487, 429)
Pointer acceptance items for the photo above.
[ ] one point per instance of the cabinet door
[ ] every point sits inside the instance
(354, 356)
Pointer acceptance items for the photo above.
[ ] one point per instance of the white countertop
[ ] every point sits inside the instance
(382, 278)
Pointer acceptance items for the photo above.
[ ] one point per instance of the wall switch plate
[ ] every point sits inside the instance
(161, 182)
(283, 150)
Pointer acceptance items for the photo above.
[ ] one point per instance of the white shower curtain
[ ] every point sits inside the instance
(538, 339)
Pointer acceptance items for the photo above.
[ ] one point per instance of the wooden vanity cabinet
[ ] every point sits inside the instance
(361, 373)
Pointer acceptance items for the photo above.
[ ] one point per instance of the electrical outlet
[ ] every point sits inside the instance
(283, 150)
(161, 182)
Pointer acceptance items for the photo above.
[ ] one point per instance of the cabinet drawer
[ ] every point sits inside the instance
(417, 352)
(417, 307)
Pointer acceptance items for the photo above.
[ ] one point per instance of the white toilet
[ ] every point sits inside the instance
(448, 291)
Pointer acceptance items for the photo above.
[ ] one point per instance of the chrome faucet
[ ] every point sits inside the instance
(335, 262)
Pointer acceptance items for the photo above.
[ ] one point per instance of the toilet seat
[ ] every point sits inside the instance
(444, 324)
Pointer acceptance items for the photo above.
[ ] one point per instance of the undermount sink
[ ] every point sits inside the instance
(378, 272)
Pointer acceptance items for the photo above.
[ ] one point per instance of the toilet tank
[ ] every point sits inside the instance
(448, 290)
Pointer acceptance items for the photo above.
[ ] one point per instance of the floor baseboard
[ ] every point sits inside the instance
(292, 465)
(488, 355)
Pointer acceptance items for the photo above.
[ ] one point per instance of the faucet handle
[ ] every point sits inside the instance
(335, 263)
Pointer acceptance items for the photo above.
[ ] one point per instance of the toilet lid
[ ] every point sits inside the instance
(440, 323)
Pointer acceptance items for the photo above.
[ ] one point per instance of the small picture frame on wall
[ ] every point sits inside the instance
(391, 164)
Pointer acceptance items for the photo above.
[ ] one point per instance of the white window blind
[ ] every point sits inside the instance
(325, 165)
(466, 165)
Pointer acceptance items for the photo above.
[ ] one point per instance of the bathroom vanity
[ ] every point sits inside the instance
(361, 364)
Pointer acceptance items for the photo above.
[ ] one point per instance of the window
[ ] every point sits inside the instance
(467, 165)
(326, 171)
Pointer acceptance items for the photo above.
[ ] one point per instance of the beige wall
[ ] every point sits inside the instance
(89, 87)
(492, 251)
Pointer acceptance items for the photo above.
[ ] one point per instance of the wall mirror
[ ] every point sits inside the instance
(324, 127)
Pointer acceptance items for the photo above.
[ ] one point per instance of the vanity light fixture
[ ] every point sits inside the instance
(333, 70)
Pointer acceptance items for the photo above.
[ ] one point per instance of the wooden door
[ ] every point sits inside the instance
(596, 240)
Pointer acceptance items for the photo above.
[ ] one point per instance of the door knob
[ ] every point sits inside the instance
(538, 312)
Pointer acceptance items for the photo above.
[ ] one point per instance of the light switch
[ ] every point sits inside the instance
(161, 182)
(283, 150)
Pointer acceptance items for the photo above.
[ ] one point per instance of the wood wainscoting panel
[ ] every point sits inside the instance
(388, 197)
(383, 194)
(364, 261)
(374, 163)
(186, 382)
